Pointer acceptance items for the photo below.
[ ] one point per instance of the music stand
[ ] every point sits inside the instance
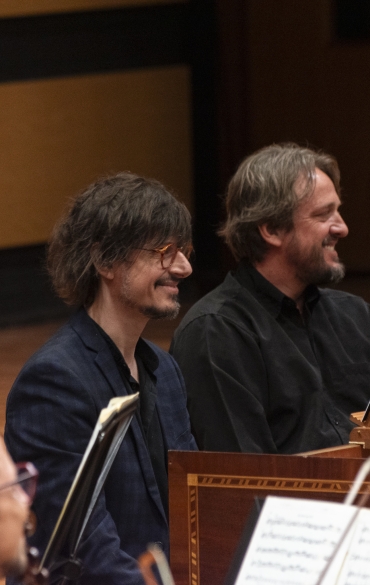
(105, 441)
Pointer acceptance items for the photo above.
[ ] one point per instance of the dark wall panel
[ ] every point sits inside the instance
(25, 291)
(79, 43)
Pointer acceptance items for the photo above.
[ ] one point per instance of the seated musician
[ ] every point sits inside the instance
(272, 363)
(119, 254)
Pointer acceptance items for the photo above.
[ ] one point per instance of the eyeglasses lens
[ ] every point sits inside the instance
(28, 485)
(168, 256)
(27, 479)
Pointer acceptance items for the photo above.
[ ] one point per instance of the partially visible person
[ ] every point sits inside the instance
(118, 255)
(271, 362)
(14, 510)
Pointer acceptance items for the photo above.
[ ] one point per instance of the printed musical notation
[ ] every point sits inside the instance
(356, 569)
(294, 540)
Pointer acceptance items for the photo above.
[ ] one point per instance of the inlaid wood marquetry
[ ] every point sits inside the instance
(207, 481)
(268, 483)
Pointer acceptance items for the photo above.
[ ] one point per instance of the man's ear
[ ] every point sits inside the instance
(271, 235)
(104, 271)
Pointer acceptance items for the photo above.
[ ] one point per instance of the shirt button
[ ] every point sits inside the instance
(336, 422)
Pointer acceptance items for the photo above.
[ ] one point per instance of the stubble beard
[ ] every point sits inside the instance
(151, 311)
(169, 313)
(311, 267)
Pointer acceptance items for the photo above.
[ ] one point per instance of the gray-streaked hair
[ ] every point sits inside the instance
(263, 190)
(106, 224)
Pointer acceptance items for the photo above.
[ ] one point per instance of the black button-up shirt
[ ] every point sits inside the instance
(261, 377)
(147, 414)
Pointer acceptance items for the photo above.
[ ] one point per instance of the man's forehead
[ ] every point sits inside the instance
(304, 185)
(315, 189)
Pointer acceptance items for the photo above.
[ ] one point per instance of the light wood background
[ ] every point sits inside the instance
(61, 134)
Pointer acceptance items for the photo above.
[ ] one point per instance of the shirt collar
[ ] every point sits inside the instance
(143, 350)
(266, 293)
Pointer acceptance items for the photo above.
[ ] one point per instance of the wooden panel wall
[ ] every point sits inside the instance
(307, 85)
(287, 75)
(61, 134)
(29, 7)
(62, 131)
(90, 87)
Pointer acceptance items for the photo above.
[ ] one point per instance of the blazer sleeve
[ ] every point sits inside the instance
(172, 403)
(50, 419)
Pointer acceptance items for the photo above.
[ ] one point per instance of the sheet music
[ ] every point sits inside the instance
(356, 569)
(293, 541)
(109, 432)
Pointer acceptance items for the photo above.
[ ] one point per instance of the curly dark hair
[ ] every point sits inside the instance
(105, 224)
(263, 190)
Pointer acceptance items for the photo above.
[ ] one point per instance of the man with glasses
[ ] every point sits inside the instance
(17, 489)
(119, 254)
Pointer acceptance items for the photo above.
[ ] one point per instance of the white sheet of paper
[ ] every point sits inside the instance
(356, 570)
(293, 541)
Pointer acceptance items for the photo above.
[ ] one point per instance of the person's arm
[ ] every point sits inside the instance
(50, 418)
(227, 385)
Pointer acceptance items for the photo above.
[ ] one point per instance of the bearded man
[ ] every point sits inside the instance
(272, 363)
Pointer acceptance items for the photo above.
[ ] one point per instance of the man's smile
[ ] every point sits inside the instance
(329, 244)
(168, 283)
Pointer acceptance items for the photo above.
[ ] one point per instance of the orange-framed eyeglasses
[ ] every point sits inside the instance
(169, 251)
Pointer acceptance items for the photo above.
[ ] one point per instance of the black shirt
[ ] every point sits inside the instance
(147, 414)
(263, 378)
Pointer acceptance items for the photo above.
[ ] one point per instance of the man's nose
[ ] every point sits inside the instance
(181, 266)
(339, 227)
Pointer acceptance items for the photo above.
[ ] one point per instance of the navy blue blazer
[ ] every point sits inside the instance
(51, 412)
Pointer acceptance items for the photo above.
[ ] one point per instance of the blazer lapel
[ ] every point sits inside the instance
(115, 387)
